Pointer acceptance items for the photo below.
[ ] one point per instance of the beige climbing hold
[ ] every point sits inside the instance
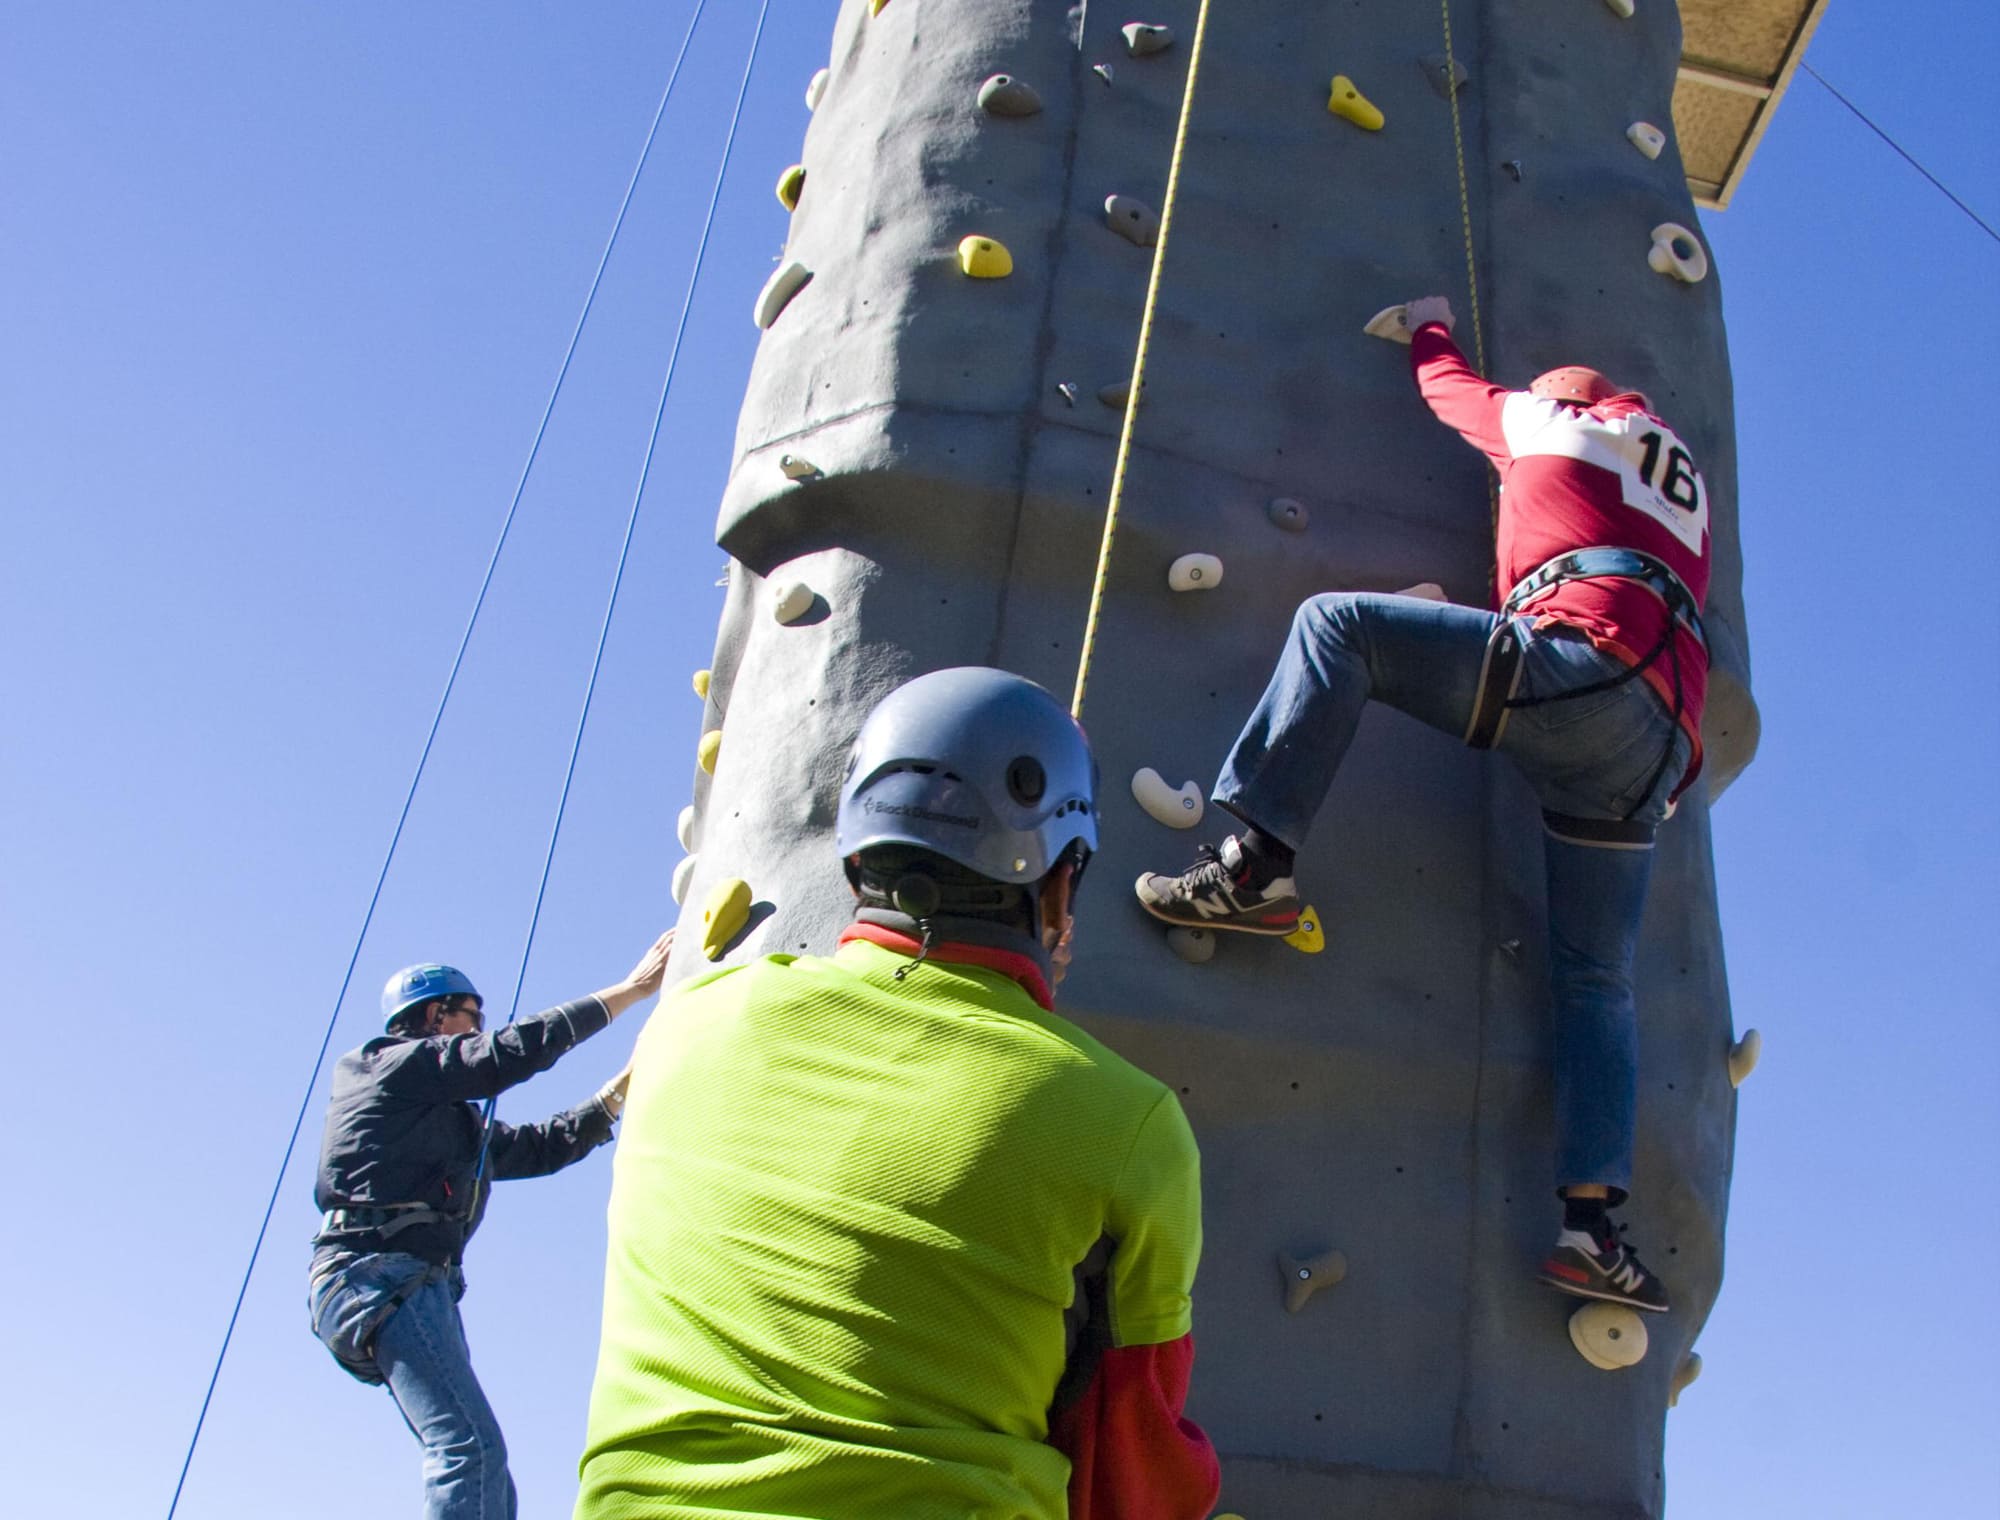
(1679, 253)
(786, 281)
(816, 90)
(683, 874)
(723, 915)
(796, 468)
(684, 828)
(1623, 8)
(1142, 38)
(1195, 572)
(1176, 809)
(1349, 103)
(706, 751)
(984, 259)
(1288, 514)
(1195, 946)
(700, 683)
(1004, 95)
(1303, 1276)
(1310, 936)
(790, 184)
(1391, 322)
(1646, 137)
(1743, 1056)
(1608, 1336)
(1686, 1373)
(1425, 591)
(1132, 219)
(790, 600)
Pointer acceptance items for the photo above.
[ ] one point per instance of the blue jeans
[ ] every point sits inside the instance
(1594, 757)
(419, 1350)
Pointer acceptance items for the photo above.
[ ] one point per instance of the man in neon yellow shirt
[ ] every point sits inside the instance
(888, 1237)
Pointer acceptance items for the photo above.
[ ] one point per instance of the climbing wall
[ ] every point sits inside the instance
(924, 456)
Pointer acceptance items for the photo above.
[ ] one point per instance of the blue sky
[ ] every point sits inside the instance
(284, 289)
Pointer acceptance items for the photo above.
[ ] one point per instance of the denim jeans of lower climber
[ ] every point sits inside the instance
(1593, 757)
(419, 1350)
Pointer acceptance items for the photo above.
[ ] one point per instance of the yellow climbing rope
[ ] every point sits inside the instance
(1138, 370)
(1464, 195)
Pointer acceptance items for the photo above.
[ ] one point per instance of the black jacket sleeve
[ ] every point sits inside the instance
(535, 1150)
(481, 1065)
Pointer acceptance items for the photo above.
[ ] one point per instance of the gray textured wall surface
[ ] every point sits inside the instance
(1390, 1096)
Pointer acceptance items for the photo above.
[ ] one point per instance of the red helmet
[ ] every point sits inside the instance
(1585, 387)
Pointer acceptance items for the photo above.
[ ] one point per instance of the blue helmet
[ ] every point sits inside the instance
(980, 766)
(420, 984)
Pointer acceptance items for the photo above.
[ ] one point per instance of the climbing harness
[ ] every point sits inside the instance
(383, 1221)
(430, 739)
(1136, 389)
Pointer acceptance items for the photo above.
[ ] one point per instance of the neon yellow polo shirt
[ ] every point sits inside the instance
(846, 1218)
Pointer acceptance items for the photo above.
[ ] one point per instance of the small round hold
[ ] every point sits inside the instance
(984, 259)
(791, 184)
(1176, 809)
(1686, 1373)
(1646, 137)
(796, 468)
(1068, 391)
(1678, 252)
(1102, 71)
(1132, 219)
(786, 281)
(1347, 102)
(1142, 38)
(1004, 95)
(816, 91)
(683, 874)
(791, 600)
(1195, 572)
(1608, 1336)
(706, 751)
(1623, 8)
(1743, 1056)
(700, 683)
(1195, 946)
(1288, 514)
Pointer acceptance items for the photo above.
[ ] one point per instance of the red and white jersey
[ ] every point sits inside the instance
(1572, 478)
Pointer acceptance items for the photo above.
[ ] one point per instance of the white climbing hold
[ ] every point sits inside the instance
(1132, 219)
(1608, 1336)
(1102, 71)
(1646, 137)
(1176, 809)
(683, 874)
(1425, 591)
(796, 468)
(1004, 95)
(816, 91)
(1195, 946)
(1195, 572)
(1743, 1056)
(791, 600)
(786, 281)
(1679, 253)
(1391, 322)
(1624, 8)
(1142, 38)
(1686, 1373)
(1068, 391)
(1288, 514)
(684, 828)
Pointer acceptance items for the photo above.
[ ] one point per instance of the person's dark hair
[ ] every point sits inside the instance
(918, 884)
(414, 1021)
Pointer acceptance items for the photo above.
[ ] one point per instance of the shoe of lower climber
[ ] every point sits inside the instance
(1223, 889)
(1588, 1266)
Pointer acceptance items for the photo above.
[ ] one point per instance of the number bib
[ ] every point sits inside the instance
(1656, 474)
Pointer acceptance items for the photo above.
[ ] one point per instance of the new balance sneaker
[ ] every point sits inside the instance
(1221, 890)
(1606, 1268)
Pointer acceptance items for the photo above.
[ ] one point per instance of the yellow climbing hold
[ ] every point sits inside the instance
(1351, 103)
(701, 680)
(790, 183)
(723, 915)
(984, 259)
(710, 747)
(875, 7)
(1310, 936)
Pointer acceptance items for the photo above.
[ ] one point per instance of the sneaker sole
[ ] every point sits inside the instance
(1226, 925)
(1576, 1291)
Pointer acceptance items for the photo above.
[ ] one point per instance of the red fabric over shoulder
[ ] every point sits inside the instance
(1133, 1454)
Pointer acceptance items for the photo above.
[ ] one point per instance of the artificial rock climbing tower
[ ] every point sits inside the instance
(924, 457)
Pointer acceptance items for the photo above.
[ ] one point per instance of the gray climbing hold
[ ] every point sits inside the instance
(1446, 76)
(1195, 946)
(1068, 391)
(1288, 514)
(1004, 95)
(1142, 38)
(1132, 219)
(1102, 71)
(1303, 1276)
(816, 91)
(1513, 167)
(786, 281)
(796, 468)
(1115, 396)
(1608, 1336)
